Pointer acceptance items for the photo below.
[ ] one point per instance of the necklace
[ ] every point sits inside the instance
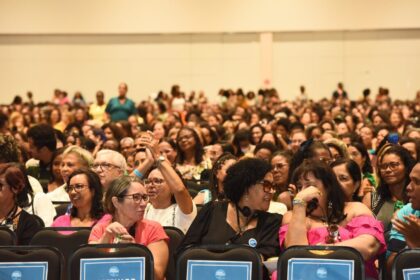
(323, 219)
(248, 217)
(10, 216)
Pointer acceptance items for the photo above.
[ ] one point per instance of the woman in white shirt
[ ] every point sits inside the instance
(170, 202)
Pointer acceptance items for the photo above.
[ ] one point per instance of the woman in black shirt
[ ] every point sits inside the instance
(243, 218)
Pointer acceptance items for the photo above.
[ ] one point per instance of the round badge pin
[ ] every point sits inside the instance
(252, 242)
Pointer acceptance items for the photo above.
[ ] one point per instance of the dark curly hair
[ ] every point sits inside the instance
(96, 210)
(242, 175)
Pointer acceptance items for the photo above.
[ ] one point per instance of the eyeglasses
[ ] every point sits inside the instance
(154, 181)
(104, 166)
(279, 166)
(268, 186)
(76, 187)
(326, 160)
(392, 165)
(137, 197)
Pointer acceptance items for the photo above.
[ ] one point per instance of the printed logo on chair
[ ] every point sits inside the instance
(320, 269)
(218, 270)
(132, 268)
(411, 274)
(23, 270)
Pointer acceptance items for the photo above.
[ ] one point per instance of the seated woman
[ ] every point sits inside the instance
(125, 201)
(321, 215)
(349, 176)
(170, 202)
(280, 163)
(243, 218)
(217, 175)
(360, 155)
(13, 197)
(190, 161)
(394, 167)
(74, 157)
(85, 191)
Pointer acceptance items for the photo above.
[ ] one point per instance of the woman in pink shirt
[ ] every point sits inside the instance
(85, 191)
(125, 201)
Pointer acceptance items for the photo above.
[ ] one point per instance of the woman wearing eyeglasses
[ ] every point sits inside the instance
(280, 163)
(85, 191)
(243, 218)
(394, 166)
(170, 202)
(125, 202)
(190, 160)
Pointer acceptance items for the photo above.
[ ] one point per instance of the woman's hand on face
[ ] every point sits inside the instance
(309, 193)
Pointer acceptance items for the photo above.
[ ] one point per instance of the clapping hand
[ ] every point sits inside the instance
(410, 228)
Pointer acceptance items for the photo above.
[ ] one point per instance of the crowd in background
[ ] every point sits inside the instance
(252, 168)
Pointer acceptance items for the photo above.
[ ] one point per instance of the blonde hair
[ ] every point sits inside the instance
(84, 155)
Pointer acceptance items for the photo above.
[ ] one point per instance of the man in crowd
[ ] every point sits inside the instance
(405, 231)
(109, 165)
(42, 144)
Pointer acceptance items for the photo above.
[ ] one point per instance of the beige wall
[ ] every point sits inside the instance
(207, 45)
(198, 16)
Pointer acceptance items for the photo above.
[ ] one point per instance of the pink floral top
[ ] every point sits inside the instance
(357, 226)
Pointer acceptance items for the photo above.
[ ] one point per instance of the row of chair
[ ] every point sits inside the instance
(67, 244)
(205, 262)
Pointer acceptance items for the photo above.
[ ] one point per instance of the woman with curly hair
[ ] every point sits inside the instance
(243, 217)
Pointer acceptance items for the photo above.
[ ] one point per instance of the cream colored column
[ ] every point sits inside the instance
(266, 59)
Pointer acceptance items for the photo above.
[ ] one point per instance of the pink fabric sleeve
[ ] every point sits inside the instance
(282, 235)
(368, 225)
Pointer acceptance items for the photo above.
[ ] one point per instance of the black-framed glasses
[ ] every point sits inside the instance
(104, 166)
(76, 187)
(268, 186)
(391, 165)
(137, 197)
(154, 181)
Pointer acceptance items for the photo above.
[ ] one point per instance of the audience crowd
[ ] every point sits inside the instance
(250, 168)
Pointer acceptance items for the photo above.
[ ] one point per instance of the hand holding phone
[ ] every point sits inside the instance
(311, 196)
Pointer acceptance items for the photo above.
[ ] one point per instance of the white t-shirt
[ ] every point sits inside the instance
(171, 216)
(43, 208)
(59, 194)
